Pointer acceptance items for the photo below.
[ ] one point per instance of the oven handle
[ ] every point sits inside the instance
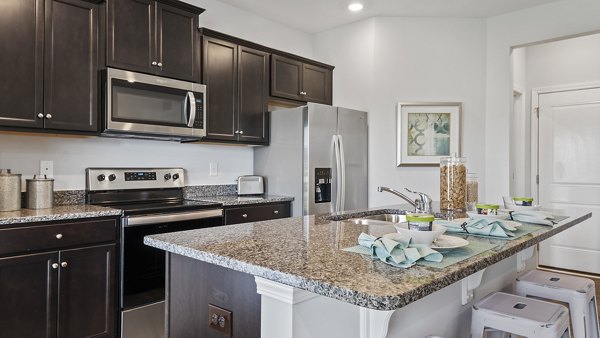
(168, 218)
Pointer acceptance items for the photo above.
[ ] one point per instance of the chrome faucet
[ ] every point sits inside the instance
(421, 204)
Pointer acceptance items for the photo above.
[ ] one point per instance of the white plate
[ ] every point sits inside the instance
(474, 215)
(505, 221)
(445, 242)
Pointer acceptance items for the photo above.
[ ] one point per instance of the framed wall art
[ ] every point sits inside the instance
(427, 131)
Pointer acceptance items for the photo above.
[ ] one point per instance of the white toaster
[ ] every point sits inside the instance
(250, 185)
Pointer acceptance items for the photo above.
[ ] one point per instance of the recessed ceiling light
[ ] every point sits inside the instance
(355, 6)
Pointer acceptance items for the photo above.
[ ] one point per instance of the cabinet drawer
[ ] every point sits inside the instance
(257, 213)
(55, 236)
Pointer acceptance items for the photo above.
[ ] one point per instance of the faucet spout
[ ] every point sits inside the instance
(399, 194)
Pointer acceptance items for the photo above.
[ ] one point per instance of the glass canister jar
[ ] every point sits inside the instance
(472, 191)
(420, 222)
(453, 183)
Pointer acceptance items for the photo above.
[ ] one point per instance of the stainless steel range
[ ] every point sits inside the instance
(152, 202)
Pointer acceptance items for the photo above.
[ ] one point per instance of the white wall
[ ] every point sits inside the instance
(564, 62)
(71, 156)
(550, 21)
(412, 59)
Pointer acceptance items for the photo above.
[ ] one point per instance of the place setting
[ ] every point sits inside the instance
(420, 241)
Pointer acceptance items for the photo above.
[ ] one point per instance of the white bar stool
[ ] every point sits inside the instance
(527, 317)
(578, 292)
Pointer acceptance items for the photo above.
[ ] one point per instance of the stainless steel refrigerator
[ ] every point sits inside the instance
(318, 155)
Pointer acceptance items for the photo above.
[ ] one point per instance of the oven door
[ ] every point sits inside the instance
(143, 267)
(138, 103)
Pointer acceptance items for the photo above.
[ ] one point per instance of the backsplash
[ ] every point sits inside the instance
(72, 197)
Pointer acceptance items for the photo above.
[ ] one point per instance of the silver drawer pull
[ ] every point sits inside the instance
(276, 212)
(58, 236)
(40, 116)
(154, 63)
(48, 116)
(63, 264)
(54, 265)
(245, 215)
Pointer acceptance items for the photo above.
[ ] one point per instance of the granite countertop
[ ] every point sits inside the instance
(57, 213)
(306, 253)
(234, 200)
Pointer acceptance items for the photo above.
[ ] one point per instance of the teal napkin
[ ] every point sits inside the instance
(397, 251)
(479, 226)
(536, 217)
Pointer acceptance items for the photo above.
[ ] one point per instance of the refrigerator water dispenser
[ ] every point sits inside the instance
(322, 185)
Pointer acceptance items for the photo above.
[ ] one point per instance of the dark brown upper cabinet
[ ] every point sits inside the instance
(236, 79)
(49, 79)
(155, 37)
(300, 80)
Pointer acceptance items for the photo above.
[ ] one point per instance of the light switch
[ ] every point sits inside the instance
(213, 169)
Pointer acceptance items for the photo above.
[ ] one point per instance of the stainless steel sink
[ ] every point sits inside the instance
(383, 219)
(394, 218)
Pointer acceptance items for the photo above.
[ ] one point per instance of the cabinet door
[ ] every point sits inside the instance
(71, 65)
(177, 43)
(316, 83)
(28, 297)
(21, 69)
(87, 292)
(253, 93)
(220, 77)
(286, 78)
(130, 35)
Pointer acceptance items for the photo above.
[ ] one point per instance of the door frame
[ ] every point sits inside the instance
(535, 121)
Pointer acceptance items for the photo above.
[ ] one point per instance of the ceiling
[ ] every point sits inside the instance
(315, 16)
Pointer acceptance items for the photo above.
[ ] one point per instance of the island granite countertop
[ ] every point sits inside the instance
(57, 213)
(306, 253)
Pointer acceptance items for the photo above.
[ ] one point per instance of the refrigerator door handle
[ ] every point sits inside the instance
(342, 188)
(336, 151)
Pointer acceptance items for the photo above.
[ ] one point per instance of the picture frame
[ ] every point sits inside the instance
(426, 132)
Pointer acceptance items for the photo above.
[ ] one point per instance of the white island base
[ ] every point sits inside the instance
(288, 312)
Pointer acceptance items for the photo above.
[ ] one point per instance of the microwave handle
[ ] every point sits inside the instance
(191, 103)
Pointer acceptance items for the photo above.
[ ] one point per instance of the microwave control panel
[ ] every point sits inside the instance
(199, 122)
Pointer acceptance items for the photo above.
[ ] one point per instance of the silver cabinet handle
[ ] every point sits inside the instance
(160, 64)
(241, 132)
(40, 116)
(63, 264)
(302, 93)
(154, 63)
(236, 132)
(48, 116)
(58, 236)
(275, 212)
(54, 265)
(245, 215)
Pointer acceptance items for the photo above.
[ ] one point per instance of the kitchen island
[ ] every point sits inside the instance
(309, 287)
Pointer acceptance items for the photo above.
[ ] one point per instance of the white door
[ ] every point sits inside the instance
(569, 169)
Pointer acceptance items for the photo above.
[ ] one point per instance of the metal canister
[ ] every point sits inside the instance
(10, 190)
(40, 192)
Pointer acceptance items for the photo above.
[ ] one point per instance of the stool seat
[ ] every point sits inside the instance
(578, 292)
(519, 315)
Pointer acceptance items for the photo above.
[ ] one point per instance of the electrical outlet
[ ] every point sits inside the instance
(213, 169)
(47, 168)
(220, 320)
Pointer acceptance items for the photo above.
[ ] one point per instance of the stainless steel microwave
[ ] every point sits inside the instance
(148, 106)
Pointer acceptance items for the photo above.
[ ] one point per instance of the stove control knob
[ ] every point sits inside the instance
(167, 177)
(175, 177)
(101, 177)
(112, 177)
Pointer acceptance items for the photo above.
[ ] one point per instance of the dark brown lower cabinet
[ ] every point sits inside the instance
(63, 292)
(255, 213)
(28, 296)
(87, 289)
(192, 285)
